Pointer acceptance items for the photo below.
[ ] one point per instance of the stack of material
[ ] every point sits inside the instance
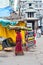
(1, 47)
(8, 49)
(19, 27)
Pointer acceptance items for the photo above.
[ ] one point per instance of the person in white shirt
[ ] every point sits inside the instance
(38, 32)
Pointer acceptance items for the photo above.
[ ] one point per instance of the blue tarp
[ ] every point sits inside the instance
(5, 12)
(6, 23)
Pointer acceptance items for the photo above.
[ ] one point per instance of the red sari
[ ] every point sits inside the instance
(18, 48)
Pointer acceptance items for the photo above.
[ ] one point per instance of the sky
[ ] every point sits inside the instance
(42, 0)
(4, 3)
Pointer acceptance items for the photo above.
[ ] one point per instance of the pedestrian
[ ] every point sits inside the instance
(27, 44)
(27, 41)
(38, 32)
(18, 48)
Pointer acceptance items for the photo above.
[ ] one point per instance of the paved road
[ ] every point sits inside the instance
(30, 58)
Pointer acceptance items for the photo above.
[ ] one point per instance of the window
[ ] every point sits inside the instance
(40, 5)
(30, 4)
(36, 5)
(30, 14)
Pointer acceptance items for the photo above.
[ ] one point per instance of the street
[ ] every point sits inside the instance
(29, 58)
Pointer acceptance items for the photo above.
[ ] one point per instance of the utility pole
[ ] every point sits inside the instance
(19, 9)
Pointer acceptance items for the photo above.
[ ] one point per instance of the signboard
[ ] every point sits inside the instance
(29, 24)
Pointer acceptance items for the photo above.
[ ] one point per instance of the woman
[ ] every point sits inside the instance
(18, 48)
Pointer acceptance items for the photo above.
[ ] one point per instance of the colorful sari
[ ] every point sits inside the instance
(18, 48)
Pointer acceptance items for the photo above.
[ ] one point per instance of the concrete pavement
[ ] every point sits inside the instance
(29, 58)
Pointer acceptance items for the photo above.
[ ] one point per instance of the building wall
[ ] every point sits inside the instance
(25, 5)
(39, 10)
(37, 5)
(13, 4)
